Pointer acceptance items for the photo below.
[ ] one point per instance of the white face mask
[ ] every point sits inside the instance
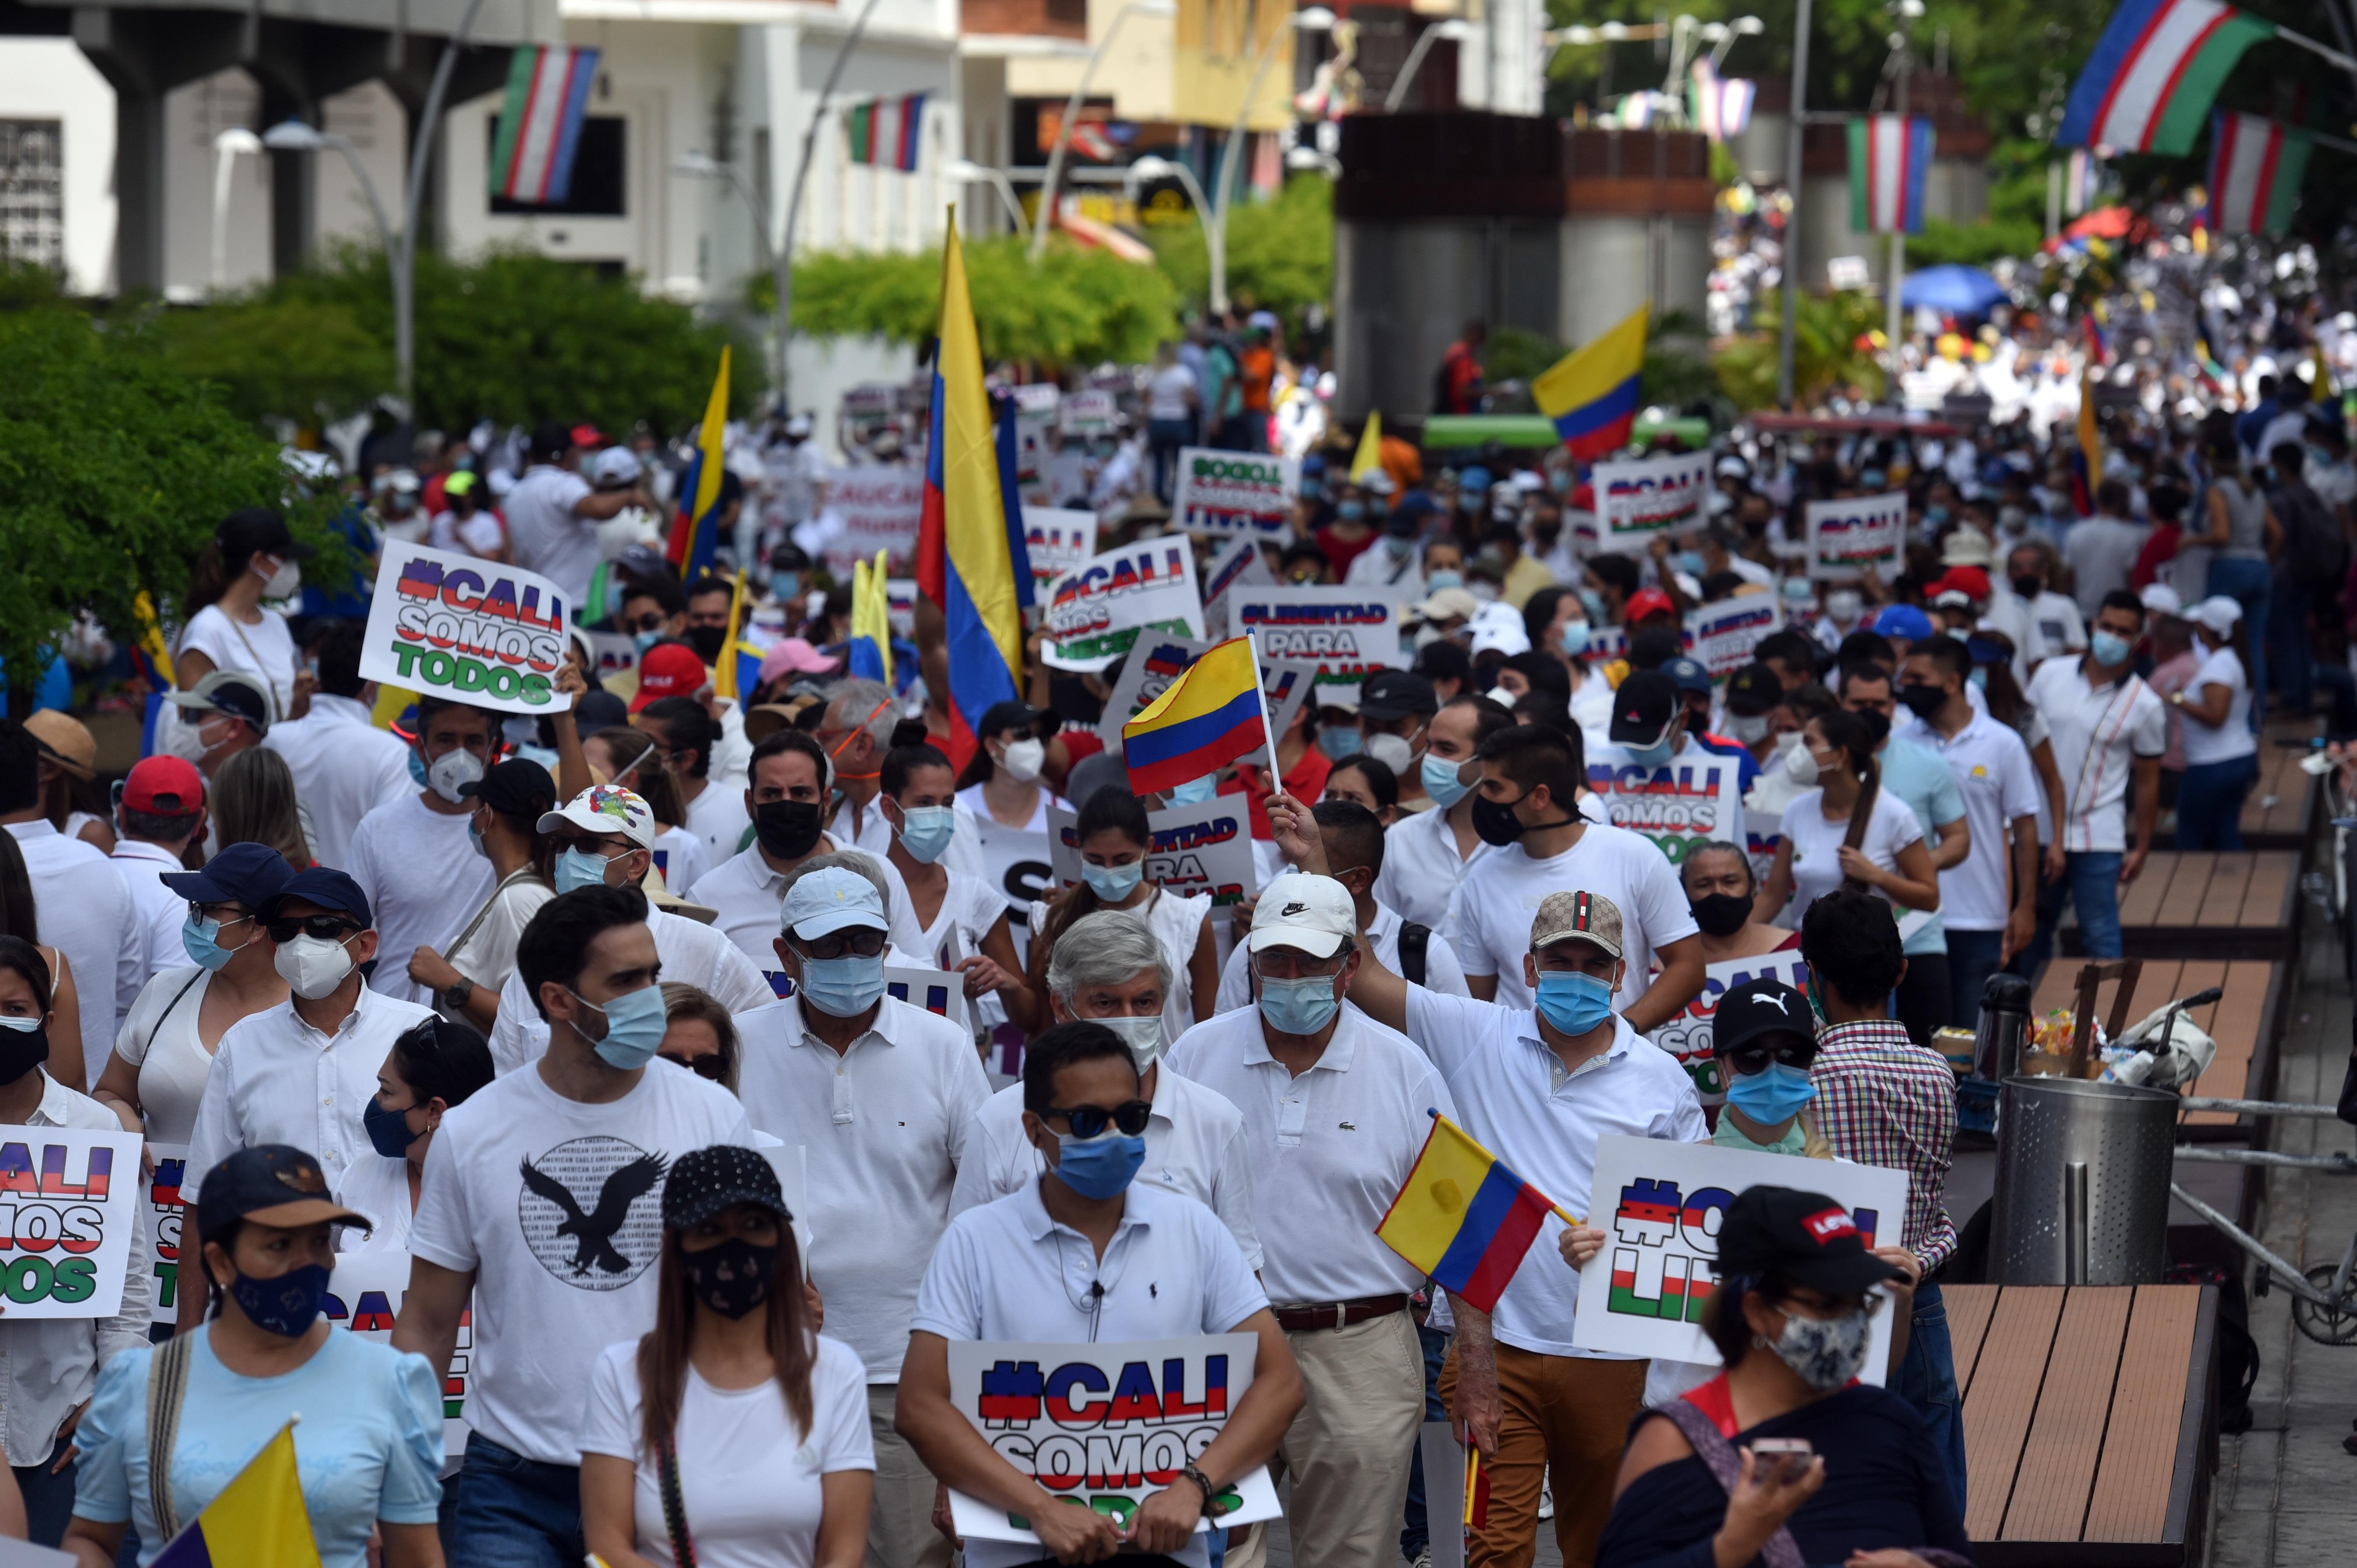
(1800, 764)
(447, 773)
(1842, 604)
(187, 742)
(1392, 751)
(313, 966)
(1502, 697)
(1143, 1036)
(283, 583)
(1023, 757)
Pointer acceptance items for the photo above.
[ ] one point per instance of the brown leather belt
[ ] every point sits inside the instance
(1338, 1313)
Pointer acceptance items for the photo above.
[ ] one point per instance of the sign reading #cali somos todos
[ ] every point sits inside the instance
(66, 1223)
(446, 625)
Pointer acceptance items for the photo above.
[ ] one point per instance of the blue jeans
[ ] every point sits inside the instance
(2249, 584)
(2288, 647)
(49, 1499)
(1972, 959)
(1416, 1533)
(515, 1512)
(1164, 438)
(2209, 802)
(1927, 1380)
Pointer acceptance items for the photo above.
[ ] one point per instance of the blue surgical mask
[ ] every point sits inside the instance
(1560, 481)
(1352, 510)
(417, 774)
(475, 837)
(1312, 489)
(1979, 677)
(1397, 545)
(2109, 647)
(1573, 1002)
(1440, 781)
(642, 640)
(1690, 562)
(1098, 1167)
(1574, 642)
(1195, 791)
(928, 830)
(286, 1306)
(1935, 515)
(1114, 883)
(200, 938)
(635, 1024)
(1772, 1096)
(1298, 1007)
(1446, 577)
(1593, 603)
(784, 586)
(1650, 755)
(388, 1131)
(842, 987)
(577, 868)
(1339, 741)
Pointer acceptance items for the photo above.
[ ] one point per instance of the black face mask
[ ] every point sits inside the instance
(786, 829)
(2028, 587)
(1877, 726)
(708, 641)
(22, 1050)
(732, 1278)
(1922, 700)
(1496, 824)
(1721, 914)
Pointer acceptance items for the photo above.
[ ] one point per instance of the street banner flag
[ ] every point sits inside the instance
(2153, 74)
(1463, 1218)
(1889, 157)
(1720, 108)
(540, 124)
(885, 132)
(1207, 718)
(1369, 457)
(871, 623)
(2255, 167)
(695, 530)
(2078, 182)
(967, 550)
(256, 1521)
(1591, 393)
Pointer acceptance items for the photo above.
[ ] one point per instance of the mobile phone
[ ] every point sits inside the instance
(1781, 1460)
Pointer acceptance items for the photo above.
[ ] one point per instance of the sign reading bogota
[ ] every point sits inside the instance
(1845, 537)
(1636, 502)
(1644, 1292)
(446, 625)
(1234, 492)
(1104, 1426)
(1097, 610)
(67, 1223)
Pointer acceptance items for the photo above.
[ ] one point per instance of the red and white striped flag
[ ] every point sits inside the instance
(2255, 167)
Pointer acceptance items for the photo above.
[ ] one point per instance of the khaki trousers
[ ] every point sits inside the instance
(1348, 1450)
(900, 1533)
(1569, 1413)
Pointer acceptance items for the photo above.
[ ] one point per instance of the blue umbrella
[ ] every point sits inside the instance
(1952, 290)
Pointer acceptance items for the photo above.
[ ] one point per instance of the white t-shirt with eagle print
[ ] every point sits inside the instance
(558, 1207)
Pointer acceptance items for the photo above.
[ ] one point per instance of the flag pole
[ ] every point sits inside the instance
(1251, 647)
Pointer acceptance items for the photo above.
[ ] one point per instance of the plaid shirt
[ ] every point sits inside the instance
(1884, 1101)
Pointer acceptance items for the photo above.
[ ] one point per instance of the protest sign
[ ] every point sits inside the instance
(1348, 633)
(70, 1201)
(1638, 502)
(1233, 564)
(1687, 1033)
(1847, 536)
(1015, 864)
(1723, 636)
(1285, 685)
(875, 506)
(1099, 608)
(1059, 540)
(1104, 1426)
(1154, 661)
(1664, 1202)
(615, 650)
(164, 1212)
(1204, 848)
(1235, 492)
(1090, 411)
(446, 625)
(364, 1292)
(1696, 796)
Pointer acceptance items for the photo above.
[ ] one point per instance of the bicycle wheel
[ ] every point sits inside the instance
(2325, 1325)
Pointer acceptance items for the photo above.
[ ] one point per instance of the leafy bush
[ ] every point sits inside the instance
(1974, 245)
(1826, 353)
(308, 360)
(1280, 253)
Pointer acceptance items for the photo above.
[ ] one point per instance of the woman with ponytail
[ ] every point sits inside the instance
(1846, 833)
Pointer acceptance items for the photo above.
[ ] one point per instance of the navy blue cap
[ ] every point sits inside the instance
(326, 887)
(1688, 673)
(247, 874)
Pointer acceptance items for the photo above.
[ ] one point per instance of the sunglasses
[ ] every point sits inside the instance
(1750, 1060)
(710, 1066)
(1089, 1121)
(651, 621)
(863, 942)
(327, 928)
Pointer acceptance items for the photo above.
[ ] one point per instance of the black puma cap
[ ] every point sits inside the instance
(270, 1184)
(704, 1181)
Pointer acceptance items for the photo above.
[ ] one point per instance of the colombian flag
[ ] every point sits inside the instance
(257, 1521)
(1591, 393)
(1461, 1216)
(1205, 719)
(871, 627)
(971, 558)
(695, 530)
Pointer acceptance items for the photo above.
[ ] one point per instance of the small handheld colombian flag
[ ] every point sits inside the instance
(1591, 393)
(1463, 1218)
(256, 1521)
(1207, 718)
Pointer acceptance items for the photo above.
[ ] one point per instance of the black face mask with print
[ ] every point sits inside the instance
(732, 1278)
(786, 829)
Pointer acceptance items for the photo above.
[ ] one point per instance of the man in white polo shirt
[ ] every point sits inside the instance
(1085, 1253)
(1110, 968)
(1427, 853)
(880, 1096)
(1334, 1106)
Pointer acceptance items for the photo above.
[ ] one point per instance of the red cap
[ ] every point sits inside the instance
(165, 787)
(668, 670)
(1647, 602)
(586, 435)
(1969, 581)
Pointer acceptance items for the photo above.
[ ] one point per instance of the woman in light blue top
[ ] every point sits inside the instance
(368, 1443)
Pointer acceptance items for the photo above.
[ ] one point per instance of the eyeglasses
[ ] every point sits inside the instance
(327, 928)
(651, 621)
(861, 941)
(221, 912)
(1749, 1060)
(1089, 1121)
(711, 1067)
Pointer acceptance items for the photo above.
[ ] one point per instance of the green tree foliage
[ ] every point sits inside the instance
(1826, 353)
(309, 361)
(1974, 244)
(1677, 371)
(1280, 253)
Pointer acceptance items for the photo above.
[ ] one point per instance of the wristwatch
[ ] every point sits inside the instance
(453, 996)
(1211, 1492)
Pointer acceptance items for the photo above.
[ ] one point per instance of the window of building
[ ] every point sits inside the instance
(33, 192)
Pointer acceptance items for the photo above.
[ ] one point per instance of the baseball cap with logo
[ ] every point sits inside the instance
(1315, 914)
(1643, 708)
(830, 899)
(1688, 673)
(668, 670)
(270, 1184)
(1757, 1009)
(1582, 917)
(231, 692)
(604, 809)
(1805, 1238)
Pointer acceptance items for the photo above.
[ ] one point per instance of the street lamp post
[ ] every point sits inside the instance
(226, 146)
(1788, 277)
(1309, 19)
(700, 165)
(1155, 9)
(1215, 236)
(966, 171)
(1452, 30)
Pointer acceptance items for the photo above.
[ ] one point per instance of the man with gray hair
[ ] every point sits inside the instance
(856, 735)
(1109, 967)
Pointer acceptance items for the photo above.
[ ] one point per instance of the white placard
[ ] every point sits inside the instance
(1015, 864)
(1696, 797)
(1687, 1035)
(1662, 1203)
(1348, 633)
(1723, 636)
(1204, 848)
(1059, 540)
(1847, 272)
(1153, 663)
(164, 1215)
(1090, 411)
(1847, 536)
(1235, 492)
(364, 1293)
(1104, 1426)
(1638, 501)
(875, 506)
(1097, 610)
(452, 626)
(1235, 563)
(70, 1201)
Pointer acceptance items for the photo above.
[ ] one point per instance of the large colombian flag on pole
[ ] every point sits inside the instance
(1462, 1217)
(1591, 393)
(256, 1521)
(1204, 720)
(969, 551)
(695, 529)
(2148, 85)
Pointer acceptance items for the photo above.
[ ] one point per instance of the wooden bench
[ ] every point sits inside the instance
(2089, 1421)
(2287, 822)
(2246, 1021)
(2240, 903)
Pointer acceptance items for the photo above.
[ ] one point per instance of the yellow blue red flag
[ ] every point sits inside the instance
(256, 1521)
(1462, 1217)
(1205, 719)
(1591, 393)
(696, 532)
(871, 624)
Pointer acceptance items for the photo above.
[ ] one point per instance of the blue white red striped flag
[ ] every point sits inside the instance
(2256, 169)
(2152, 75)
(1889, 157)
(885, 132)
(539, 126)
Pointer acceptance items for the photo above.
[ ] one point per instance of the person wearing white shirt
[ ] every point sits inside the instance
(1087, 1254)
(1335, 1108)
(880, 1096)
(1530, 777)
(717, 810)
(1115, 972)
(2221, 751)
(305, 1071)
(553, 516)
(1392, 564)
(344, 766)
(958, 920)
(1426, 854)
(414, 858)
(2041, 623)
(2102, 549)
(541, 1201)
(159, 813)
(435, 1066)
(234, 629)
(85, 909)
